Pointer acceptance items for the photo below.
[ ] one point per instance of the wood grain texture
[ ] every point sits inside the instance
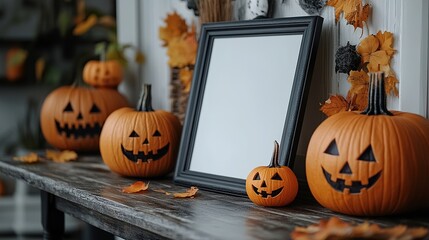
(87, 190)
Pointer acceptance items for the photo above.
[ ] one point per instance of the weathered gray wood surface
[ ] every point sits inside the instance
(89, 191)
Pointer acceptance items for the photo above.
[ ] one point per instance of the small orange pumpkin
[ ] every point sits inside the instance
(103, 73)
(370, 163)
(142, 142)
(272, 185)
(72, 116)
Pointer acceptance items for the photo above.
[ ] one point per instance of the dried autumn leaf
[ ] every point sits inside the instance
(390, 85)
(186, 78)
(359, 81)
(136, 187)
(175, 27)
(368, 46)
(335, 104)
(377, 60)
(335, 228)
(190, 193)
(386, 42)
(31, 157)
(182, 51)
(61, 156)
(353, 11)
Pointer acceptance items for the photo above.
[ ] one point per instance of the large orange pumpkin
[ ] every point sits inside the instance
(370, 163)
(142, 142)
(272, 185)
(106, 73)
(72, 116)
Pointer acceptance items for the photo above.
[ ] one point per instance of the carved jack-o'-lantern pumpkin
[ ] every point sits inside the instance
(272, 185)
(142, 143)
(103, 73)
(372, 163)
(72, 116)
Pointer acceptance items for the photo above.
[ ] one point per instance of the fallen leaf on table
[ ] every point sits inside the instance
(61, 156)
(335, 228)
(190, 193)
(31, 157)
(136, 187)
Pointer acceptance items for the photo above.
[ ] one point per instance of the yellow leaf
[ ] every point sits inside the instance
(353, 10)
(63, 156)
(136, 187)
(359, 81)
(386, 42)
(378, 60)
(31, 157)
(390, 85)
(368, 46)
(182, 51)
(175, 27)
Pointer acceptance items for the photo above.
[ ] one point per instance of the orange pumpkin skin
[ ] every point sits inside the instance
(399, 144)
(140, 143)
(103, 73)
(71, 117)
(273, 185)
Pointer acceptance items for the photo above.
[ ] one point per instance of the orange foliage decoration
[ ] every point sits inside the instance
(354, 11)
(376, 53)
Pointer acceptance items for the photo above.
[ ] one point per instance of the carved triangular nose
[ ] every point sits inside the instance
(346, 169)
(146, 141)
(79, 117)
(263, 184)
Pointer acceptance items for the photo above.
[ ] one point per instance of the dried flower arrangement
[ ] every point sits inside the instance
(181, 42)
(373, 53)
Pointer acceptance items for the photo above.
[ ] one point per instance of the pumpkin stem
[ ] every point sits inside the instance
(145, 102)
(275, 159)
(376, 96)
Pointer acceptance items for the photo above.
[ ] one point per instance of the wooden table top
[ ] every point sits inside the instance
(87, 189)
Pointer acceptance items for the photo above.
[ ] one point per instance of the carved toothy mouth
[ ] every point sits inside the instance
(264, 194)
(78, 130)
(145, 157)
(356, 186)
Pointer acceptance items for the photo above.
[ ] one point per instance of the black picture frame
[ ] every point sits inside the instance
(310, 29)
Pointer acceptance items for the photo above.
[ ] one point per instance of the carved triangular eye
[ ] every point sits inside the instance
(156, 134)
(367, 155)
(276, 177)
(134, 134)
(332, 148)
(256, 177)
(68, 108)
(94, 109)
